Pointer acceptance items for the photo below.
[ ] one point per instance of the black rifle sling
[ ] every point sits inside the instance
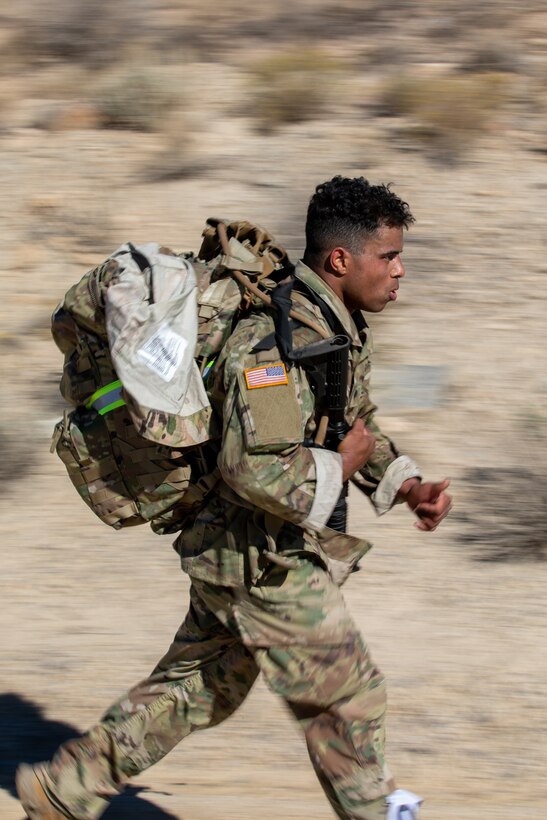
(312, 357)
(282, 335)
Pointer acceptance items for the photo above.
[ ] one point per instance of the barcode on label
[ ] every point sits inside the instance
(163, 352)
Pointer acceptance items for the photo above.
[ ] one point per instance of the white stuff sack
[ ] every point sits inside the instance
(151, 322)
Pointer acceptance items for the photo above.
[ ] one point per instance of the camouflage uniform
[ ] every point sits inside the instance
(265, 594)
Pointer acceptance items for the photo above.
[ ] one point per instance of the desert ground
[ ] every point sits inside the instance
(445, 100)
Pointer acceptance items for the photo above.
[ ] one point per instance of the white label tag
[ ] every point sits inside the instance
(163, 352)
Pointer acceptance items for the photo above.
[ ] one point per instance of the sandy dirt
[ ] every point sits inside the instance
(455, 619)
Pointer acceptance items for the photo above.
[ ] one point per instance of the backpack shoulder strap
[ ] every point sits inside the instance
(285, 317)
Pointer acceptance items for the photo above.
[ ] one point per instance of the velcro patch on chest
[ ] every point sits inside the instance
(271, 419)
(268, 375)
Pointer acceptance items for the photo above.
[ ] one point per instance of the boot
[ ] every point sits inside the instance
(403, 805)
(33, 796)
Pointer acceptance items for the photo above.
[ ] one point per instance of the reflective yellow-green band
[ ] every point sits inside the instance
(109, 407)
(106, 398)
(101, 392)
(207, 368)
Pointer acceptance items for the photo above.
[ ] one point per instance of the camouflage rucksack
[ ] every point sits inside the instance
(139, 334)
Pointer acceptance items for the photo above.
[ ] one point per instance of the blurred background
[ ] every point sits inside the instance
(137, 121)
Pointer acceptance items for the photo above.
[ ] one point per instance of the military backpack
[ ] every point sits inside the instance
(140, 333)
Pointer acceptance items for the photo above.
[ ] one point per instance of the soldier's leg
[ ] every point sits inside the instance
(204, 676)
(297, 625)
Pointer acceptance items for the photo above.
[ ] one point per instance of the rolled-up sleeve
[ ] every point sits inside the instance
(385, 495)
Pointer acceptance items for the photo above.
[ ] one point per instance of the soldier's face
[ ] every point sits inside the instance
(372, 277)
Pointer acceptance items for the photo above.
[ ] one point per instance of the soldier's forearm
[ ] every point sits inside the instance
(302, 486)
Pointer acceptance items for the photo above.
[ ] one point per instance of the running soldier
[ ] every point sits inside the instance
(266, 565)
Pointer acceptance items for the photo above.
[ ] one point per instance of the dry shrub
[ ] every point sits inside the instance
(292, 86)
(136, 98)
(75, 31)
(17, 449)
(179, 156)
(507, 518)
(494, 55)
(446, 112)
(535, 100)
(82, 225)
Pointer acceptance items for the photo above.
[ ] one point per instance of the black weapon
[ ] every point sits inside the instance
(336, 392)
(337, 428)
(331, 385)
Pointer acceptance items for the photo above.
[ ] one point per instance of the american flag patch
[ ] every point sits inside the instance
(266, 376)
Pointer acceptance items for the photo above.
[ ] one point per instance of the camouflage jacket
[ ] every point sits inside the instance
(276, 494)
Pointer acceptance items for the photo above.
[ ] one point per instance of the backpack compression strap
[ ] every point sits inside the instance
(106, 398)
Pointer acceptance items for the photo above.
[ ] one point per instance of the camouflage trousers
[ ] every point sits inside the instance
(293, 626)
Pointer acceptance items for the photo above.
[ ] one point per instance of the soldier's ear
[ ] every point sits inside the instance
(339, 261)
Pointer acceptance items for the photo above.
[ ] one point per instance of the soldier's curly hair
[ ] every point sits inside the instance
(345, 211)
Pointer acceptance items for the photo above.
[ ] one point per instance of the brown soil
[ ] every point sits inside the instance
(455, 619)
